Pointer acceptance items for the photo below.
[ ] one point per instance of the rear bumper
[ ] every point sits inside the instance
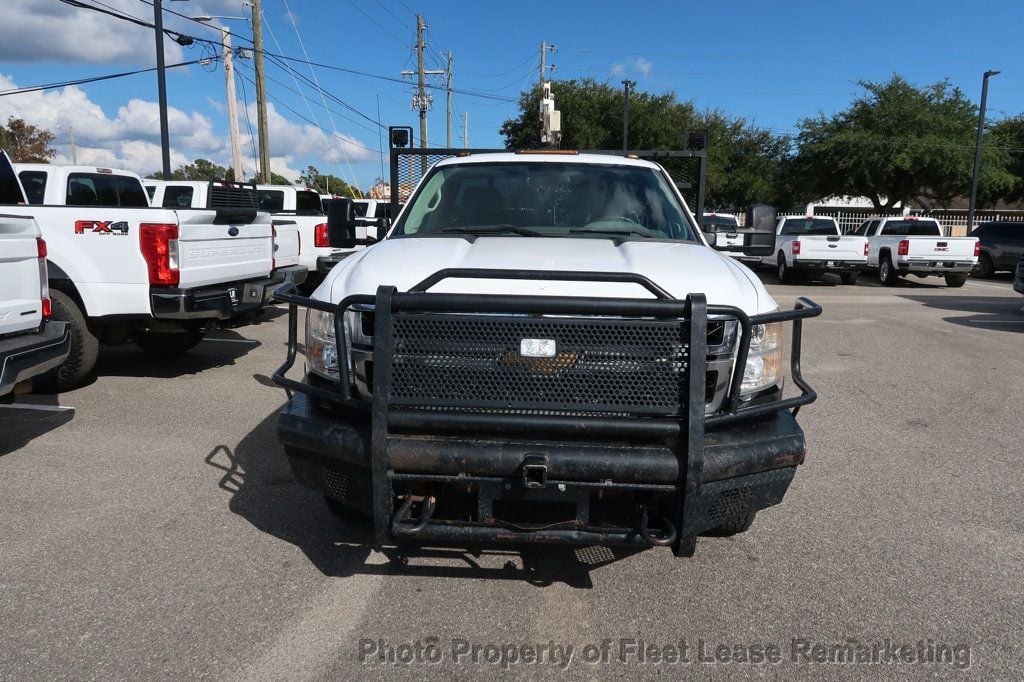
(218, 302)
(293, 274)
(587, 485)
(325, 263)
(24, 357)
(816, 265)
(936, 267)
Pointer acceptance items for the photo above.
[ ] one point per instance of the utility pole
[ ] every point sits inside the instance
(421, 26)
(629, 85)
(229, 81)
(74, 150)
(261, 93)
(550, 118)
(465, 130)
(161, 85)
(977, 148)
(448, 100)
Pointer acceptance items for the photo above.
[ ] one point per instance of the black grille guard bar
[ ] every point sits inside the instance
(693, 307)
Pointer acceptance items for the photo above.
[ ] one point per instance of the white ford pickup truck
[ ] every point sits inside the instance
(813, 245)
(543, 349)
(217, 194)
(30, 342)
(121, 271)
(908, 245)
(302, 208)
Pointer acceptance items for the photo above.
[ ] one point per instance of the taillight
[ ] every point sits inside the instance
(904, 248)
(977, 249)
(44, 279)
(159, 244)
(320, 236)
(796, 248)
(273, 248)
(865, 248)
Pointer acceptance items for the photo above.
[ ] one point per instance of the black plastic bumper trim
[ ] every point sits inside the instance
(23, 357)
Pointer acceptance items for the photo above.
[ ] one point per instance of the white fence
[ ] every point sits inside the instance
(953, 221)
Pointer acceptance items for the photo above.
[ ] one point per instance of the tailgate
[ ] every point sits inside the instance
(827, 247)
(286, 244)
(945, 248)
(20, 294)
(215, 247)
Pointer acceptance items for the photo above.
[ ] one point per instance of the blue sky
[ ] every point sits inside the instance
(770, 62)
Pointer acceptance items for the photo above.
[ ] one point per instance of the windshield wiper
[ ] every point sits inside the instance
(493, 229)
(614, 231)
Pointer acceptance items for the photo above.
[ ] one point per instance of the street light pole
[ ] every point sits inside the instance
(977, 148)
(625, 114)
(161, 84)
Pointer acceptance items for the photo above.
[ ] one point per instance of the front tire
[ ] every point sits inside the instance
(85, 348)
(168, 344)
(955, 281)
(784, 273)
(848, 277)
(887, 272)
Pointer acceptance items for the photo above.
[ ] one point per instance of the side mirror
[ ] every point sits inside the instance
(712, 238)
(341, 224)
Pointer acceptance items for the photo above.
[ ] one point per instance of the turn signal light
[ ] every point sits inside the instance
(865, 248)
(796, 248)
(320, 238)
(904, 248)
(977, 249)
(159, 245)
(44, 280)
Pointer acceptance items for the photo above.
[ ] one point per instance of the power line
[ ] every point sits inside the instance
(379, 25)
(94, 79)
(529, 59)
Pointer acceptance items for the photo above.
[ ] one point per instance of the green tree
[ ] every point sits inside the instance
(744, 162)
(26, 143)
(276, 179)
(200, 169)
(328, 184)
(895, 142)
(1006, 136)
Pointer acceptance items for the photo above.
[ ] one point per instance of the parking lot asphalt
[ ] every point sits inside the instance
(151, 527)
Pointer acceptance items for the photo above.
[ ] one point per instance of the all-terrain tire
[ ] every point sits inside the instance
(739, 524)
(887, 272)
(848, 277)
(85, 348)
(784, 273)
(955, 281)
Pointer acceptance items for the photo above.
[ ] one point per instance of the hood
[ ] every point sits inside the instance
(680, 268)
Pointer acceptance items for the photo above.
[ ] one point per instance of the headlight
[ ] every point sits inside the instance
(321, 345)
(764, 360)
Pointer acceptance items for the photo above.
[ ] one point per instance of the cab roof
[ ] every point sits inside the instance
(547, 156)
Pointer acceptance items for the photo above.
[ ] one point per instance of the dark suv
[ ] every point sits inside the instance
(1002, 245)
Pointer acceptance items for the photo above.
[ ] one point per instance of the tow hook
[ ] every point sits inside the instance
(668, 533)
(535, 470)
(427, 507)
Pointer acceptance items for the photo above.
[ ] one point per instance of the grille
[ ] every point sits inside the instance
(600, 365)
(232, 197)
(731, 503)
(337, 482)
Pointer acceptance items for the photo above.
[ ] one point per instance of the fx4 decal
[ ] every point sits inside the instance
(101, 226)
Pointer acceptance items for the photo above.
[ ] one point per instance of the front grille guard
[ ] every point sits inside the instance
(692, 310)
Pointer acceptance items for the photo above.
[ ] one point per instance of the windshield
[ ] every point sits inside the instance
(546, 199)
(809, 226)
(913, 228)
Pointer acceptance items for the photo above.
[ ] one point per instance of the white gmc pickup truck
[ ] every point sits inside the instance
(30, 342)
(908, 245)
(813, 245)
(121, 271)
(544, 349)
(220, 194)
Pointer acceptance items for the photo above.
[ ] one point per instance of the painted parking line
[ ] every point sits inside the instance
(1008, 287)
(40, 408)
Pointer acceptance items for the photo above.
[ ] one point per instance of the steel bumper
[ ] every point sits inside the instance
(218, 302)
(23, 357)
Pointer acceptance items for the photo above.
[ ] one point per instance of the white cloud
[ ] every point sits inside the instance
(131, 138)
(637, 65)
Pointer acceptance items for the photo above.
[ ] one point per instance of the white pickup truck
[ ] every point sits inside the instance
(30, 342)
(813, 245)
(122, 271)
(219, 194)
(544, 349)
(302, 208)
(909, 245)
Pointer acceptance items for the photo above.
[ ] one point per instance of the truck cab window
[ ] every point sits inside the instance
(177, 197)
(34, 183)
(270, 200)
(100, 189)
